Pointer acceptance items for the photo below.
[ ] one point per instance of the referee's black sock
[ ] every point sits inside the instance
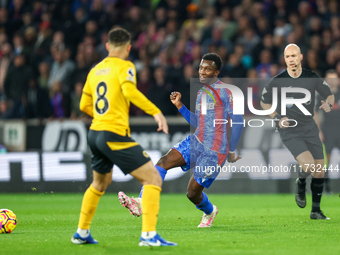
(317, 188)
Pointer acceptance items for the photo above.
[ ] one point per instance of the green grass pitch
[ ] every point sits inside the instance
(245, 224)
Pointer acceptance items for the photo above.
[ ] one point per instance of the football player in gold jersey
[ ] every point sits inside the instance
(108, 91)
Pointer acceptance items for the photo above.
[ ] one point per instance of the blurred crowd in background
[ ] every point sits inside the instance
(48, 47)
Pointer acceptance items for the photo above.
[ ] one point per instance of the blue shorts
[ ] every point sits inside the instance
(201, 159)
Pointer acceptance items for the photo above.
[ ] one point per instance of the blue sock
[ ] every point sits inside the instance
(162, 172)
(205, 206)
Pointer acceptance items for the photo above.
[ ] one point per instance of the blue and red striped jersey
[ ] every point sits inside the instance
(219, 105)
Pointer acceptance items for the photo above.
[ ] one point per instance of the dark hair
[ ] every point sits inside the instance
(119, 37)
(214, 57)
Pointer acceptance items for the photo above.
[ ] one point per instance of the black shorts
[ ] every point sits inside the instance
(303, 138)
(110, 149)
(331, 138)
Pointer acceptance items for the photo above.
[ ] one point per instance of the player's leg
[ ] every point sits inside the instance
(317, 185)
(316, 168)
(196, 195)
(135, 161)
(306, 162)
(89, 206)
(152, 182)
(179, 155)
(204, 158)
(299, 149)
(172, 159)
(102, 177)
(148, 176)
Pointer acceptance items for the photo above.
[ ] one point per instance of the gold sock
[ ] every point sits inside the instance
(150, 207)
(89, 207)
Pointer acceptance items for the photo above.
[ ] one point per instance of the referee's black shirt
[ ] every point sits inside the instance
(308, 80)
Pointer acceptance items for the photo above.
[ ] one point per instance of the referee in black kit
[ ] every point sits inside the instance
(301, 136)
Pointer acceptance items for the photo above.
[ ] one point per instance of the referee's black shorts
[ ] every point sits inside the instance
(303, 138)
(110, 149)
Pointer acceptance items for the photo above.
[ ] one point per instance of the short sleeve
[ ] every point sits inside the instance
(322, 87)
(267, 93)
(128, 73)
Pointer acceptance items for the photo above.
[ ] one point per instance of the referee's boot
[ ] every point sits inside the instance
(300, 193)
(318, 216)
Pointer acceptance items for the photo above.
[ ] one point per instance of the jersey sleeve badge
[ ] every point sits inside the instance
(131, 75)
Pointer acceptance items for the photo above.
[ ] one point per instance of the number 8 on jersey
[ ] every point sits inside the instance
(102, 104)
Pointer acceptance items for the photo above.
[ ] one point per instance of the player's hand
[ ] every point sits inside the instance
(161, 121)
(325, 106)
(285, 122)
(175, 98)
(232, 157)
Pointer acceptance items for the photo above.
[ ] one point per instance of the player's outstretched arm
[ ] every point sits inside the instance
(161, 121)
(190, 117)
